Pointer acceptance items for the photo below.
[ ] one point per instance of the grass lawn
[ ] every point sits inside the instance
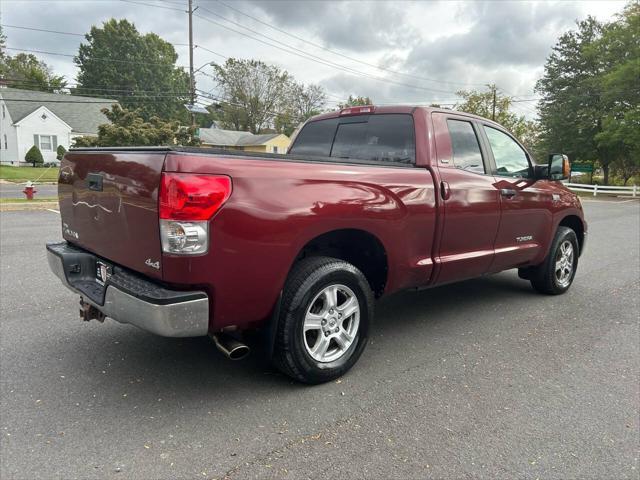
(24, 200)
(23, 174)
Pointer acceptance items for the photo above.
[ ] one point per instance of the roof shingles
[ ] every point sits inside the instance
(232, 138)
(82, 114)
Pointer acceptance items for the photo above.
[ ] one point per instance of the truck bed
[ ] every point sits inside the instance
(218, 152)
(279, 203)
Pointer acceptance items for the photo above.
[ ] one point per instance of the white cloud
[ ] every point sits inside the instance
(454, 43)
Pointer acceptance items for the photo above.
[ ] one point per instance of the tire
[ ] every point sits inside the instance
(547, 278)
(307, 321)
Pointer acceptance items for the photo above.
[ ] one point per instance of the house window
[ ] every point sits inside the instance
(5, 142)
(4, 114)
(46, 143)
(275, 149)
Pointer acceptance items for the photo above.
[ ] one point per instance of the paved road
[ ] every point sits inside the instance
(484, 379)
(15, 191)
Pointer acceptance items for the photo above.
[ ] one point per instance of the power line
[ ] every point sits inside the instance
(219, 54)
(92, 58)
(59, 32)
(77, 85)
(43, 30)
(128, 93)
(152, 5)
(210, 51)
(104, 59)
(302, 53)
(113, 91)
(222, 100)
(202, 47)
(311, 57)
(98, 100)
(56, 101)
(395, 72)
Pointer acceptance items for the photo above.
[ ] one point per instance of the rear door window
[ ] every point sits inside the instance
(376, 138)
(465, 146)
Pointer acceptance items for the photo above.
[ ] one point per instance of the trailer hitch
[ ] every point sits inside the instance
(89, 312)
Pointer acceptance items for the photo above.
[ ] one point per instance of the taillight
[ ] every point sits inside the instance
(186, 203)
(190, 196)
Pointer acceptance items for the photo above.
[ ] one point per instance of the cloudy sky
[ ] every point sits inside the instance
(394, 52)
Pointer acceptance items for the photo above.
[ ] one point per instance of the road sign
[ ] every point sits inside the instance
(584, 167)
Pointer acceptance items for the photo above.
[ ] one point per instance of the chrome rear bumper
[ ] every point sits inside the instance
(142, 303)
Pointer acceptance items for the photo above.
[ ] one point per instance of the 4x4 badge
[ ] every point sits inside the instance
(155, 264)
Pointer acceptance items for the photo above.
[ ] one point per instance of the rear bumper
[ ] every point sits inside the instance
(129, 298)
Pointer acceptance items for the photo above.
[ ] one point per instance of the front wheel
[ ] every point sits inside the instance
(324, 319)
(555, 275)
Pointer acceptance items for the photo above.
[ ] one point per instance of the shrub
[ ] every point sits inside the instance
(60, 151)
(34, 156)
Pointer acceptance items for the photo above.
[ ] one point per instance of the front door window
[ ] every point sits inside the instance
(511, 160)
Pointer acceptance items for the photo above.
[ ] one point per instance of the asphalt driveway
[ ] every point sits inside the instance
(483, 379)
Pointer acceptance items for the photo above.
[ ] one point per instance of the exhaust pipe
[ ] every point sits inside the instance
(230, 346)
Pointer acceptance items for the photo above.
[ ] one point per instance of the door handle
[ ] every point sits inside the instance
(445, 191)
(508, 192)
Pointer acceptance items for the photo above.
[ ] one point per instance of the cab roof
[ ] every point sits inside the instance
(382, 109)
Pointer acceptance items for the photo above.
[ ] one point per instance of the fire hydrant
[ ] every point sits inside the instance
(29, 190)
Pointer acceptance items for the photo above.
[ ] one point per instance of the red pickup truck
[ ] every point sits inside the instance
(368, 201)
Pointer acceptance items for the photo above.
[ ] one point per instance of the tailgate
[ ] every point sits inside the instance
(109, 206)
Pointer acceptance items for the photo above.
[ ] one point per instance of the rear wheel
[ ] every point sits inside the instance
(555, 275)
(324, 320)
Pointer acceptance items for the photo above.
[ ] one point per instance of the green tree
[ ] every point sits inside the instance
(34, 156)
(619, 53)
(137, 70)
(302, 102)
(496, 106)
(128, 128)
(3, 41)
(253, 94)
(25, 71)
(355, 102)
(573, 109)
(60, 151)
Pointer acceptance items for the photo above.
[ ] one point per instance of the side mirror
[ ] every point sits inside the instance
(559, 167)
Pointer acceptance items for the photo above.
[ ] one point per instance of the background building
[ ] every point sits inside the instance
(249, 142)
(28, 118)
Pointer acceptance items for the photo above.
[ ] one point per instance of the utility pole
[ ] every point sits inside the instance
(493, 109)
(192, 81)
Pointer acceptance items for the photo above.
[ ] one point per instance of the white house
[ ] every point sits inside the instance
(28, 118)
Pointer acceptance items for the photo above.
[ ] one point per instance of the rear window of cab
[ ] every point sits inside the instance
(383, 138)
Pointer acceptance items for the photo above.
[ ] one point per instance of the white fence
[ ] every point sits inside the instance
(632, 191)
